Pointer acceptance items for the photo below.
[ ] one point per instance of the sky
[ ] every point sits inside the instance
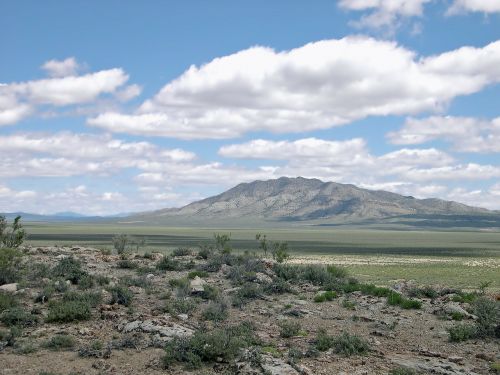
(122, 106)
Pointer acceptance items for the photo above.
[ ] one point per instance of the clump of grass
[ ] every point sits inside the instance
(461, 332)
(247, 292)
(345, 344)
(347, 304)
(167, 263)
(60, 342)
(69, 269)
(7, 301)
(396, 299)
(403, 371)
(181, 252)
(210, 292)
(278, 286)
(325, 296)
(17, 316)
(86, 282)
(127, 264)
(180, 306)
(216, 311)
(73, 307)
(223, 343)
(348, 345)
(289, 328)
(182, 286)
(193, 274)
(121, 295)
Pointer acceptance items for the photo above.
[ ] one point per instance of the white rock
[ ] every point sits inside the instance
(11, 288)
(197, 285)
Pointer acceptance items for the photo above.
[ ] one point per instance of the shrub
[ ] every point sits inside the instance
(121, 295)
(368, 289)
(17, 316)
(350, 305)
(7, 301)
(60, 342)
(336, 271)
(396, 299)
(69, 311)
(10, 260)
(69, 269)
(461, 332)
(323, 341)
(168, 264)
(181, 252)
(223, 343)
(246, 292)
(278, 286)
(348, 345)
(86, 282)
(425, 292)
(127, 264)
(193, 274)
(325, 296)
(280, 251)
(180, 306)
(464, 297)
(11, 237)
(488, 316)
(140, 282)
(289, 328)
(92, 298)
(120, 243)
(223, 243)
(210, 292)
(205, 251)
(182, 286)
(45, 294)
(216, 312)
(403, 371)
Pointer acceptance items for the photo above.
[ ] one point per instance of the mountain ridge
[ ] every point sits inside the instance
(300, 199)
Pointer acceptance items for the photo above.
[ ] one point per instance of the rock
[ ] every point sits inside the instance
(9, 288)
(167, 330)
(150, 276)
(431, 365)
(262, 278)
(183, 317)
(454, 308)
(197, 285)
(276, 366)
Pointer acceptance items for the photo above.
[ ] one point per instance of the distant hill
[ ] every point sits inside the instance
(59, 217)
(310, 200)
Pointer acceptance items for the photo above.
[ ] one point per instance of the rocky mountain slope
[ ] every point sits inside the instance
(299, 199)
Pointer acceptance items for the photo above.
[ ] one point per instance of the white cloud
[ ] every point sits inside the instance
(482, 6)
(61, 68)
(466, 134)
(387, 14)
(316, 86)
(69, 154)
(18, 100)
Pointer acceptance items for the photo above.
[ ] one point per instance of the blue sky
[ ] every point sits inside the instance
(122, 106)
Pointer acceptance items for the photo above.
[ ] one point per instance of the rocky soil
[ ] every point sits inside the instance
(128, 336)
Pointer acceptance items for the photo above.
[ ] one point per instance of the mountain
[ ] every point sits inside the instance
(306, 200)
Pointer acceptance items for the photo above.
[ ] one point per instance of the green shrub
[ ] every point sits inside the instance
(17, 316)
(403, 371)
(92, 298)
(167, 263)
(193, 274)
(461, 332)
(246, 292)
(323, 341)
(10, 263)
(69, 311)
(325, 296)
(210, 292)
(424, 292)
(180, 306)
(223, 343)
(348, 345)
(278, 286)
(396, 299)
(11, 237)
(368, 289)
(182, 286)
(127, 264)
(464, 297)
(181, 252)
(121, 242)
(60, 342)
(488, 316)
(69, 269)
(7, 301)
(336, 271)
(25, 348)
(350, 305)
(289, 328)
(121, 295)
(86, 282)
(216, 312)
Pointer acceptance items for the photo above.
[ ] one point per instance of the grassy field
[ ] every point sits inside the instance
(454, 258)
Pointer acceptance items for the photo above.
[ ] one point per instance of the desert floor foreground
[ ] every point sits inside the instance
(139, 303)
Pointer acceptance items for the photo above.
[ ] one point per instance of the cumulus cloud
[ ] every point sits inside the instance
(61, 68)
(64, 88)
(466, 134)
(69, 154)
(316, 86)
(384, 13)
(481, 6)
